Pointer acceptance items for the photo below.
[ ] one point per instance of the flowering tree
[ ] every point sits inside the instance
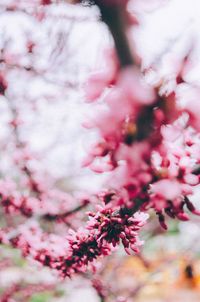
(148, 145)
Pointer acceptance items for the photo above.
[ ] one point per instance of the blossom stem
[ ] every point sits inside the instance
(66, 214)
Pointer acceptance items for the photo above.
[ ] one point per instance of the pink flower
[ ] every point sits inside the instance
(166, 188)
(134, 87)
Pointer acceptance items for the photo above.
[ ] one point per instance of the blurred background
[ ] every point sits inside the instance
(47, 52)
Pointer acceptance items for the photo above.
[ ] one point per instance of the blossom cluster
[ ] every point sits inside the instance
(147, 144)
(80, 248)
(13, 202)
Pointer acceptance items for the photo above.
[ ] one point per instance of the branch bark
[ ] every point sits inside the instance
(114, 17)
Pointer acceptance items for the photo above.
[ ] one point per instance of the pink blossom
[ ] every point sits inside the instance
(166, 188)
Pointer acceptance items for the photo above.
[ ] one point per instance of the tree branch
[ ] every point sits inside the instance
(114, 17)
(52, 217)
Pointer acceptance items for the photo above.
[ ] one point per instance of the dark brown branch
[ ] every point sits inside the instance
(114, 17)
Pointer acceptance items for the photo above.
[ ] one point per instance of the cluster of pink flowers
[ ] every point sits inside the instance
(54, 205)
(147, 143)
(149, 147)
(175, 164)
(113, 225)
(104, 231)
